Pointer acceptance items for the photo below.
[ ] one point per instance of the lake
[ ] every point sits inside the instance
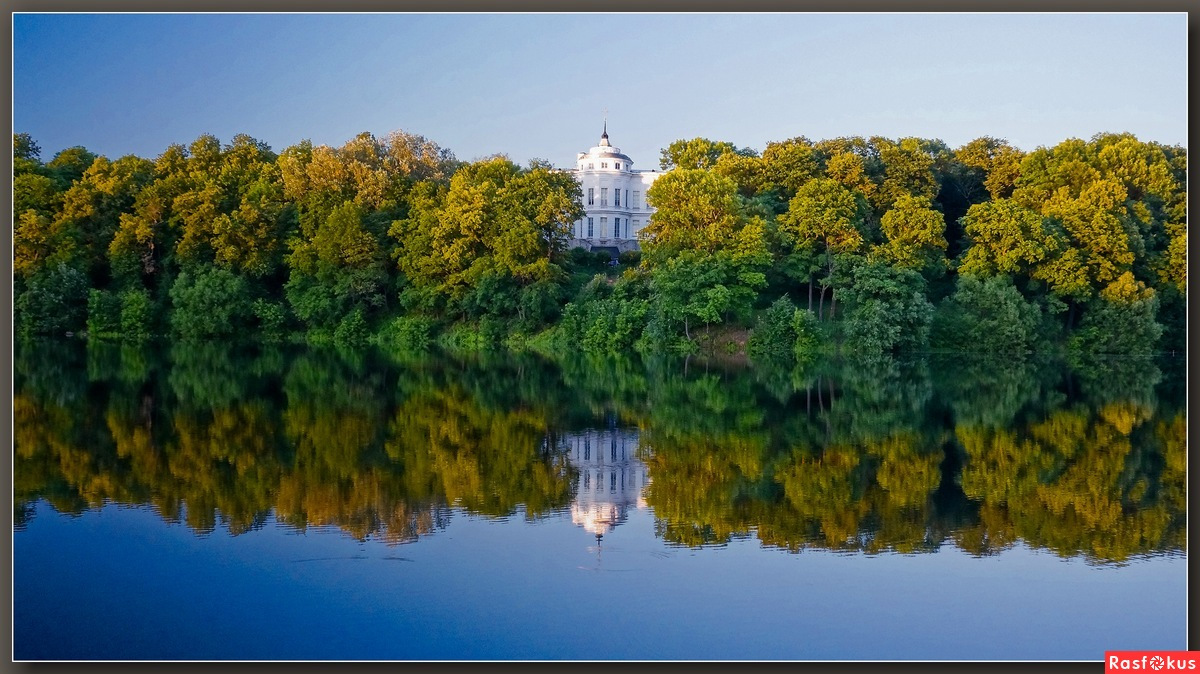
(212, 501)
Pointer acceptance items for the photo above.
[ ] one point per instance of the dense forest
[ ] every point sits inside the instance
(865, 245)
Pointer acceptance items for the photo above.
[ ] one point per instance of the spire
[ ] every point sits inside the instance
(604, 136)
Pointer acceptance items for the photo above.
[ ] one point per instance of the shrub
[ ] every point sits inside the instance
(103, 314)
(808, 336)
(272, 320)
(1121, 320)
(210, 302)
(406, 334)
(54, 301)
(352, 330)
(987, 316)
(137, 314)
(774, 336)
(603, 318)
(886, 309)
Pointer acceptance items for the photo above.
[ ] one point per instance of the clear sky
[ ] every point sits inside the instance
(537, 85)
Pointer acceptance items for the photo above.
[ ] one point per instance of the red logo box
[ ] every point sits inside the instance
(1151, 661)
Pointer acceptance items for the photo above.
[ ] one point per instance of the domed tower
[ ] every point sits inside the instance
(614, 198)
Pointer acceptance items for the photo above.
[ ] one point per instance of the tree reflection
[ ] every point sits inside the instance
(868, 456)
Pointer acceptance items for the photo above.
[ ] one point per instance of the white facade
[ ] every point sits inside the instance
(614, 196)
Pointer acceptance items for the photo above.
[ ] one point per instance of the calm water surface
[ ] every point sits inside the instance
(213, 502)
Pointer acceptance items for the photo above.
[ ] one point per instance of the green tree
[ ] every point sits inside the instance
(854, 163)
(705, 256)
(908, 166)
(339, 269)
(91, 210)
(1120, 320)
(693, 287)
(886, 309)
(1098, 247)
(695, 210)
(996, 163)
(36, 192)
(137, 315)
(54, 301)
(697, 153)
(1006, 239)
(68, 166)
(774, 336)
(103, 314)
(25, 147)
(915, 235)
(210, 302)
(493, 243)
(787, 165)
(828, 217)
(987, 315)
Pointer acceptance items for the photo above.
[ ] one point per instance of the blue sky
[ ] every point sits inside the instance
(537, 85)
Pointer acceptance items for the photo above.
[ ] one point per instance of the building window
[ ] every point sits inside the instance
(637, 225)
(604, 197)
(603, 228)
(591, 166)
(587, 480)
(603, 164)
(618, 165)
(626, 198)
(591, 196)
(617, 233)
(591, 229)
(587, 448)
(637, 199)
(614, 449)
(617, 198)
(612, 481)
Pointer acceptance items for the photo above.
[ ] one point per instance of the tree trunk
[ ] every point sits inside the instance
(821, 309)
(832, 289)
(1070, 315)
(685, 327)
(810, 282)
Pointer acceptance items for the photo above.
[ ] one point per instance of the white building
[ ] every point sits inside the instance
(614, 196)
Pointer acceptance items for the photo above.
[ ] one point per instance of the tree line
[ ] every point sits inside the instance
(871, 244)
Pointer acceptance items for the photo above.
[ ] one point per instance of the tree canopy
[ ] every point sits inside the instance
(325, 241)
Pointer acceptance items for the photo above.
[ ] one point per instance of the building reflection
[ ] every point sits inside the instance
(611, 477)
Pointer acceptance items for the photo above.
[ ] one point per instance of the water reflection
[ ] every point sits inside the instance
(1085, 458)
(611, 478)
